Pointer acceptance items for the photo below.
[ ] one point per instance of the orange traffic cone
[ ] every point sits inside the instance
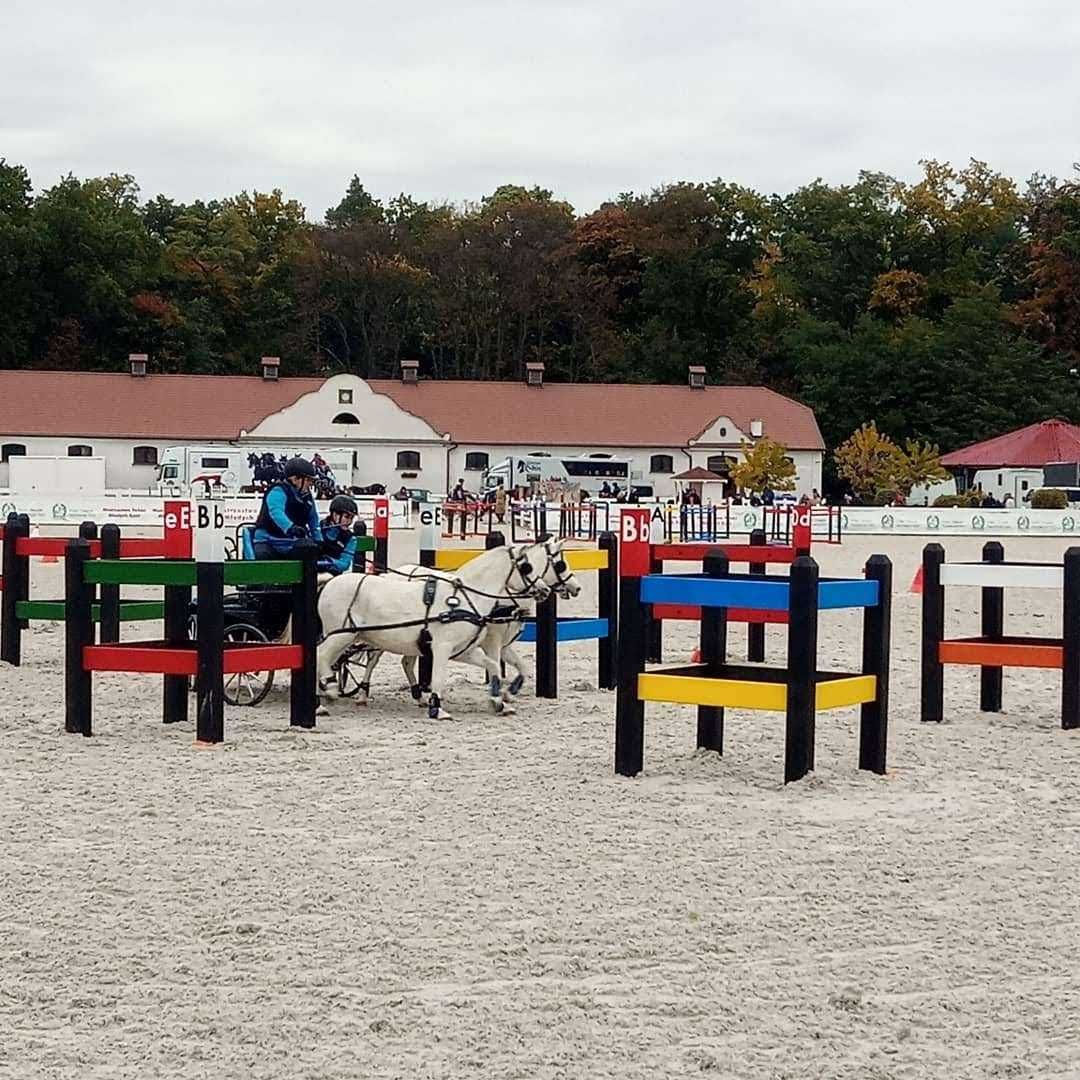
(916, 581)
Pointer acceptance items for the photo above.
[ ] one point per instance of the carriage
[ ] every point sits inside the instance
(260, 614)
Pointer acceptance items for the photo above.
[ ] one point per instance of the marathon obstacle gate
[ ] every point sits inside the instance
(993, 650)
(758, 554)
(108, 611)
(209, 658)
(800, 690)
(548, 628)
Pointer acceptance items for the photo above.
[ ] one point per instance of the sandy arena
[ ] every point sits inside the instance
(389, 896)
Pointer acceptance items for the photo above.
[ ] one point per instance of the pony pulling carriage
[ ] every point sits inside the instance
(472, 615)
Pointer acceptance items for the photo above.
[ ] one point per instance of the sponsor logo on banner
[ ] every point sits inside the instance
(1068, 524)
(6, 508)
(887, 521)
(59, 511)
(209, 531)
(1023, 523)
(933, 521)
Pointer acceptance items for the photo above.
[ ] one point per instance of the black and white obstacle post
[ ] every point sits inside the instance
(755, 631)
(713, 644)
(932, 696)
(993, 628)
(634, 536)
(877, 643)
(801, 669)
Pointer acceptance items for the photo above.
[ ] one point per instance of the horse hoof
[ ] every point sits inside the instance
(322, 710)
(497, 706)
(508, 709)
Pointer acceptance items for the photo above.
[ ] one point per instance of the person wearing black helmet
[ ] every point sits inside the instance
(338, 543)
(288, 514)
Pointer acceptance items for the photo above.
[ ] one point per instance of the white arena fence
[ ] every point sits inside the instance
(139, 509)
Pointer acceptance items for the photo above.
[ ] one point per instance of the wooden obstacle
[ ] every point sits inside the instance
(992, 650)
(17, 610)
(800, 690)
(208, 659)
(759, 554)
(548, 628)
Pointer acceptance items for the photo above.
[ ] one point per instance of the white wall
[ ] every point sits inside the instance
(807, 465)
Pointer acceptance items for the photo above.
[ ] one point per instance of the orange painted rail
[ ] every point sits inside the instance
(1006, 652)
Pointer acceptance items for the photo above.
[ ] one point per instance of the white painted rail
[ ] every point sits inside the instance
(1003, 575)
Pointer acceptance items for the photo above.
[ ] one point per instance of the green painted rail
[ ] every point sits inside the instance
(54, 610)
(365, 543)
(169, 572)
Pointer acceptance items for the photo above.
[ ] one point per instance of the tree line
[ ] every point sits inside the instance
(945, 310)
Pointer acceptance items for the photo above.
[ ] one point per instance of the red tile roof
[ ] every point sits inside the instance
(190, 408)
(1032, 446)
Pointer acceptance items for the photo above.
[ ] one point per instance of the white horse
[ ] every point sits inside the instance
(448, 614)
(506, 625)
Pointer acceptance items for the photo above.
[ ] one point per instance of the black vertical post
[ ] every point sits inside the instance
(14, 576)
(381, 556)
(359, 563)
(755, 632)
(22, 564)
(933, 631)
(109, 624)
(993, 627)
(88, 530)
(802, 669)
(1070, 641)
(877, 633)
(426, 558)
(710, 718)
(210, 677)
(655, 627)
(547, 649)
(303, 683)
(175, 691)
(607, 607)
(629, 710)
(78, 633)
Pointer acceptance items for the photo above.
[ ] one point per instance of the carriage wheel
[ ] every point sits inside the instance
(350, 671)
(246, 687)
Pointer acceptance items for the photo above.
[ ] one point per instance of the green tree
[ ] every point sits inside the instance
(868, 461)
(765, 464)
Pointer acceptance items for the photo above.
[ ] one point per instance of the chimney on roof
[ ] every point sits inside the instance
(757, 428)
(271, 368)
(697, 377)
(410, 371)
(534, 374)
(137, 362)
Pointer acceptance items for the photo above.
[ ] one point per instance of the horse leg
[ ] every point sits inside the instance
(370, 660)
(408, 665)
(440, 662)
(482, 658)
(513, 658)
(327, 655)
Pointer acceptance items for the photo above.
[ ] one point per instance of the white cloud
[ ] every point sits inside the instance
(448, 101)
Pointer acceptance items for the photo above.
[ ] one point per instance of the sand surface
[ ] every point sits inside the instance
(393, 897)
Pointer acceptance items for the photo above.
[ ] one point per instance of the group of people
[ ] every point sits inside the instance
(288, 517)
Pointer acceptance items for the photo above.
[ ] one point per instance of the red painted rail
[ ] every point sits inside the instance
(749, 553)
(152, 658)
(692, 613)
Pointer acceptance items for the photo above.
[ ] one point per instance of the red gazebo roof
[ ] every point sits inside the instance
(699, 474)
(1029, 447)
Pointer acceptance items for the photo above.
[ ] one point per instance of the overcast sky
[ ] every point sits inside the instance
(446, 101)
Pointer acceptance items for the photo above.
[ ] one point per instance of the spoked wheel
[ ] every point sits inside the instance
(350, 671)
(246, 687)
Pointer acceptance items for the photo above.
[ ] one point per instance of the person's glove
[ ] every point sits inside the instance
(297, 532)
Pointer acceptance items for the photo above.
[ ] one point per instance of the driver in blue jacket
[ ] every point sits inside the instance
(338, 543)
(288, 514)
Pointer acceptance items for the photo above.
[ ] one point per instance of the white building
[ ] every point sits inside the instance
(413, 432)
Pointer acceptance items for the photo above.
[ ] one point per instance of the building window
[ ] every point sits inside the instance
(604, 457)
(408, 459)
(344, 397)
(80, 450)
(345, 418)
(477, 461)
(662, 463)
(539, 453)
(719, 464)
(144, 455)
(10, 450)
